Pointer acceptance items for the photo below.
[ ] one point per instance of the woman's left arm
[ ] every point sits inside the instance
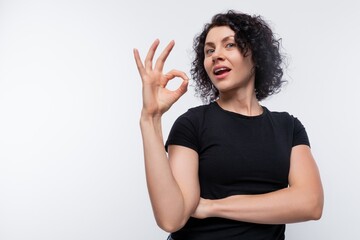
(302, 201)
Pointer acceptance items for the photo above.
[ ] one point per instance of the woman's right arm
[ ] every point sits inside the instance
(172, 179)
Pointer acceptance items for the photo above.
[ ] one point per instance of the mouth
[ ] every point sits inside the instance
(221, 70)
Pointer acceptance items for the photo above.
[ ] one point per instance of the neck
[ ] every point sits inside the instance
(246, 104)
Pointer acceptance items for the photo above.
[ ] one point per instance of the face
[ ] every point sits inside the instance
(225, 65)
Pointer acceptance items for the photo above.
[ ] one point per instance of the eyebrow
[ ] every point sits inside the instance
(223, 40)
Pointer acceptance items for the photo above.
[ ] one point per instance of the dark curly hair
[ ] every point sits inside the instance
(251, 33)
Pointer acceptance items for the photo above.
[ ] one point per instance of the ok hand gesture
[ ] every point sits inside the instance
(157, 99)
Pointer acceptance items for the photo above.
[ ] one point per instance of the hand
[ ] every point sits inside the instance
(203, 209)
(156, 98)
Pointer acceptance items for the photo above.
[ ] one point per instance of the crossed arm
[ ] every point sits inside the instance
(174, 190)
(301, 201)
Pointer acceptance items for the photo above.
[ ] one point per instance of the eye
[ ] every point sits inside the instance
(230, 45)
(209, 51)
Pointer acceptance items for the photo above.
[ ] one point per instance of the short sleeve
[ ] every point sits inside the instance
(300, 136)
(184, 132)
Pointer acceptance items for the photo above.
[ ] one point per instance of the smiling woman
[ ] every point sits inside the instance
(233, 168)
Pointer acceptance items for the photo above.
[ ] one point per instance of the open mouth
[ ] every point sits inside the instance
(221, 70)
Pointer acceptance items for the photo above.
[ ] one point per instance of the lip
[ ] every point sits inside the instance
(216, 67)
(223, 75)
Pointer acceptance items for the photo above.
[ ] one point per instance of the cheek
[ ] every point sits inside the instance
(249, 62)
(207, 65)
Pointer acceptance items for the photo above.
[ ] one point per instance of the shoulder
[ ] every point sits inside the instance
(278, 115)
(201, 109)
(197, 112)
(186, 128)
(282, 117)
(291, 124)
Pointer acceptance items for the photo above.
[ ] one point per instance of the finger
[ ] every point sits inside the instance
(150, 55)
(159, 65)
(172, 74)
(138, 61)
(181, 89)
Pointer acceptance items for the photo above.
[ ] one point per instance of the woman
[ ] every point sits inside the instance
(233, 169)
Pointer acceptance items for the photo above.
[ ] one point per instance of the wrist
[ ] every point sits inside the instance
(150, 122)
(147, 117)
(209, 208)
(218, 207)
(212, 208)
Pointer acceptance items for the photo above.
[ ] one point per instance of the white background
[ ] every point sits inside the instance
(71, 162)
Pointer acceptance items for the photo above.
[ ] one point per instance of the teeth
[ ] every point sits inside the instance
(219, 69)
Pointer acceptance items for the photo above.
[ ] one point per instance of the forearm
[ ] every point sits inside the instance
(287, 205)
(165, 195)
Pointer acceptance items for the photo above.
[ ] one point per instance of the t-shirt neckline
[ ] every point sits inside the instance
(239, 114)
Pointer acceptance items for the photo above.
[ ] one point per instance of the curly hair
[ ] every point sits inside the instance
(251, 33)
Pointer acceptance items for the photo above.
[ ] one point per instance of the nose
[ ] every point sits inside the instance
(217, 56)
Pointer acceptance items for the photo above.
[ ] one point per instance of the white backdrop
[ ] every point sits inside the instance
(71, 162)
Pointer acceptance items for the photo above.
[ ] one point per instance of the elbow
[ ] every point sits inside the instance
(169, 226)
(171, 221)
(315, 208)
(169, 229)
(317, 212)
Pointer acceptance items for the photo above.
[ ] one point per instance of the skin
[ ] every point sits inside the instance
(236, 88)
(172, 178)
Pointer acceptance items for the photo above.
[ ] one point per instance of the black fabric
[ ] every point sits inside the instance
(237, 155)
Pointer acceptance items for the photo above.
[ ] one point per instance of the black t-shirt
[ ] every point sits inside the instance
(237, 155)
